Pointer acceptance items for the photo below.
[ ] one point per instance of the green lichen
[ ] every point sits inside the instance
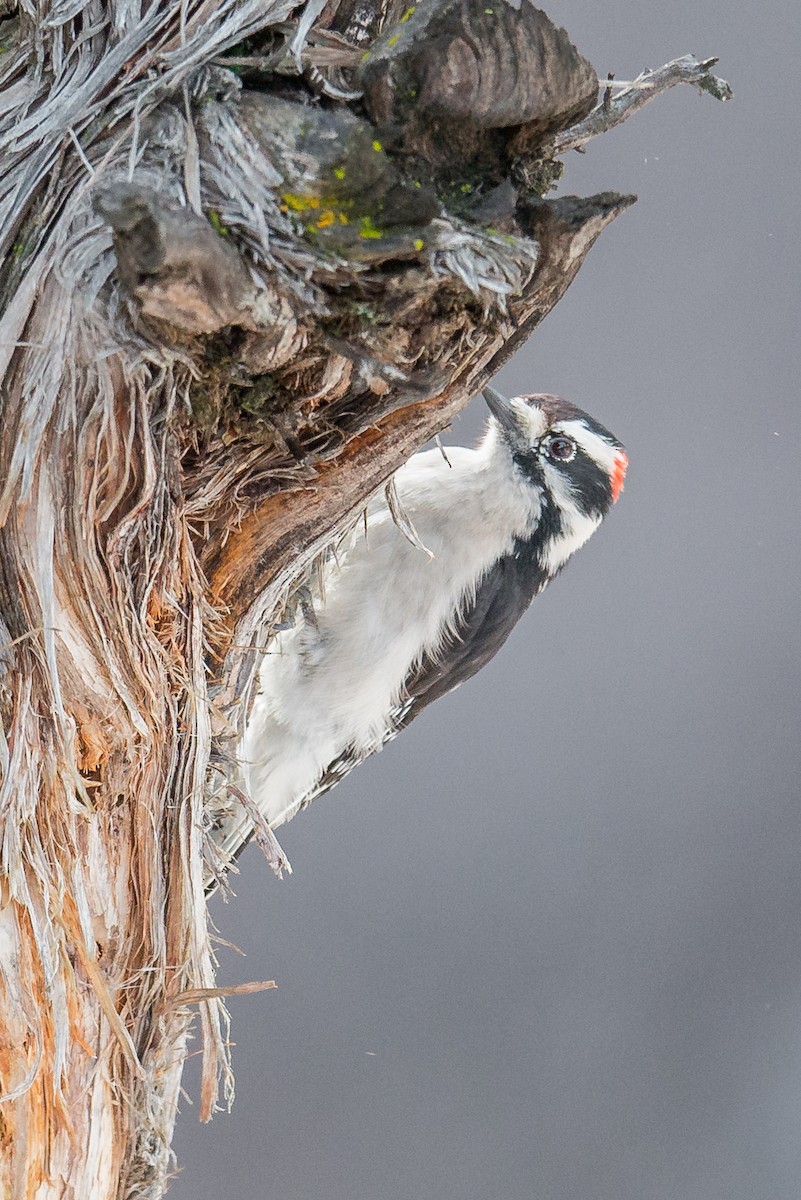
(536, 176)
(362, 308)
(460, 192)
(214, 218)
(244, 48)
(218, 397)
(209, 392)
(367, 229)
(256, 399)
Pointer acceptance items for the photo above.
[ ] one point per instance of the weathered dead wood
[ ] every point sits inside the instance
(174, 264)
(498, 71)
(645, 88)
(227, 316)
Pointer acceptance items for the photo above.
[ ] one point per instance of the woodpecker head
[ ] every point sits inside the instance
(575, 466)
(561, 450)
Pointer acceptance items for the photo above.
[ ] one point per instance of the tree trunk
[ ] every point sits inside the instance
(229, 312)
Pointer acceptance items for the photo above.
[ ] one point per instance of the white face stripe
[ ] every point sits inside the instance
(574, 519)
(597, 447)
(578, 528)
(531, 419)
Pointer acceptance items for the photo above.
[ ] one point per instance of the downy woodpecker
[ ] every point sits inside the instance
(394, 628)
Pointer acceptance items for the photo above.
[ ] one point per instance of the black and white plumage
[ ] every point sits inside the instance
(395, 629)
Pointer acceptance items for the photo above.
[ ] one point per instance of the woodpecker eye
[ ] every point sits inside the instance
(560, 448)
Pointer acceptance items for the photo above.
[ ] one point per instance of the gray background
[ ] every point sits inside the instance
(547, 945)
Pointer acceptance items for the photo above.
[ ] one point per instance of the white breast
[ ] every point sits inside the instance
(336, 684)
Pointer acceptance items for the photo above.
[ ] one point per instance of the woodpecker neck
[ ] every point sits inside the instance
(535, 564)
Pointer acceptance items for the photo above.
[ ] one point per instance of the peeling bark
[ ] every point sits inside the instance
(228, 314)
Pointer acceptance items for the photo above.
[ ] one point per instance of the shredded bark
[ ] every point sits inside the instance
(245, 273)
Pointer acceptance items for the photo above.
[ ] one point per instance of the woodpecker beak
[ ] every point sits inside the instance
(503, 413)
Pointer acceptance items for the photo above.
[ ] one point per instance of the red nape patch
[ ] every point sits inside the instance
(619, 474)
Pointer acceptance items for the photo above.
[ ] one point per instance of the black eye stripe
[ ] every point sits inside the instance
(588, 480)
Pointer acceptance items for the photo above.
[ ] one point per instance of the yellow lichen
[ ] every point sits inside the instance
(300, 203)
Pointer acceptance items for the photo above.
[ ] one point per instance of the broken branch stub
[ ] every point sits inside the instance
(454, 81)
(646, 87)
(173, 262)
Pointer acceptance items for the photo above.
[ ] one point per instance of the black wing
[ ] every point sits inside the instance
(502, 597)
